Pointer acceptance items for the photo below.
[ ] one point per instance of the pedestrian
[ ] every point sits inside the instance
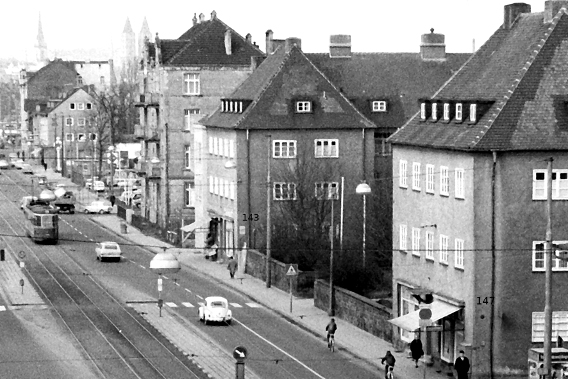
(18, 154)
(232, 266)
(45, 166)
(390, 359)
(390, 374)
(461, 365)
(112, 199)
(416, 348)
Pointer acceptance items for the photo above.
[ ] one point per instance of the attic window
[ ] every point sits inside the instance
(230, 106)
(89, 106)
(446, 112)
(472, 112)
(423, 111)
(434, 111)
(303, 106)
(222, 105)
(379, 106)
(459, 111)
(71, 106)
(79, 80)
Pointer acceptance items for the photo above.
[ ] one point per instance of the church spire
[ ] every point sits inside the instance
(127, 27)
(144, 33)
(41, 46)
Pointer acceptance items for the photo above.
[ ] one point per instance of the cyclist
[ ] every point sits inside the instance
(330, 329)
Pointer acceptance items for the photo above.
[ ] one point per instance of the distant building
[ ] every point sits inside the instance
(41, 45)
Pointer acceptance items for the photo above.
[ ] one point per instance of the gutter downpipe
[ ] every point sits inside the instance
(492, 315)
(248, 193)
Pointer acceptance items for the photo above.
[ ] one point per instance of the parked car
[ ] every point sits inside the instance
(27, 169)
(42, 180)
(99, 206)
(108, 249)
(99, 186)
(89, 182)
(216, 309)
(18, 163)
(4, 165)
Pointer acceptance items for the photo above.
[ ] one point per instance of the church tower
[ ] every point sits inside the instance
(41, 46)
(128, 46)
(144, 32)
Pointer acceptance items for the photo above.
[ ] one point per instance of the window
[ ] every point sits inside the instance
(430, 245)
(326, 148)
(472, 111)
(434, 111)
(429, 178)
(303, 106)
(102, 80)
(446, 112)
(284, 149)
(215, 146)
(69, 137)
(216, 185)
(559, 325)
(211, 185)
(187, 156)
(459, 183)
(382, 147)
(402, 236)
(444, 181)
(408, 304)
(459, 111)
(191, 84)
(81, 121)
(81, 137)
(327, 190)
(459, 254)
(189, 114)
(538, 261)
(416, 241)
(284, 191)
(69, 121)
(423, 111)
(79, 80)
(379, 106)
(402, 180)
(72, 106)
(225, 147)
(443, 249)
(80, 106)
(416, 176)
(89, 106)
(189, 194)
(93, 136)
(231, 149)
(210, 145)
(232, 190)
(559, 184)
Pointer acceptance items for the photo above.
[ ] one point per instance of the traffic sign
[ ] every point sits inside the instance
(292, 269)
(240, 353)
(425, 313)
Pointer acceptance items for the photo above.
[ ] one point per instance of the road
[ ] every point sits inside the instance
(277, 349)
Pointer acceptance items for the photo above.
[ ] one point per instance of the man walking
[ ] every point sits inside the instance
(232, 266)
(461, 365)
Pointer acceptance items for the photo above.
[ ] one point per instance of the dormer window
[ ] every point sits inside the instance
(472, 112)
(434, 112)
(230, 106)
(240, 107)
(423, 111)
(379, 106)
(71, 106)
(459, 111)
(446, 112)
(79, 80)
(303, 106)
(222, 105)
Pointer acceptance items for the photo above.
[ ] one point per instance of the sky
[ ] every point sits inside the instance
(374, 26)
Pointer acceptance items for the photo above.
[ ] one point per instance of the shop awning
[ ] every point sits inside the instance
(194, 225)
(411, 321)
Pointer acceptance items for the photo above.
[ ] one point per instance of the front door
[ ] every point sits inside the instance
(447, 340)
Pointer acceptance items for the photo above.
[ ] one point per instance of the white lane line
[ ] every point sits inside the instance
(276, 347)
(171, 305)
(199, 297)
(201, 304)
(236, 305)
(253, 305)
(176, 283)
(189, 305)
(165, 277)
(187, 290)
(2, 308)
(141, 266)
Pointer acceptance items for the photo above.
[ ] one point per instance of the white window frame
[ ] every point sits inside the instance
(472, 112)
(187, 156)
(188, 114)
(416, 176)
(303, 106)
(423, 111)
(459, 183)
(215, 146)
(430, 178)
(403, 238)
(80, 106)
(81, 121)
(326, 190)
(189, 195)
(459, 111)
(379, 106)
(416, 241)
(429, 245)
(557, 264)
(191, 83)
(210, 145)
(446, 111)
(69, 137)
(403, 173)
(459, 251)
(216, 185)
(444, 240)
(559, 185)
(326, 148)
(444, 181)
(232, 190)
(81, 137)
(435, 111)
(286, 149)
(278, 191)
(559, 325)
(226, 147)
(69, 121)
(231, 148)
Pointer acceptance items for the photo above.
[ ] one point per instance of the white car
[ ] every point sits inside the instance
(99, 186)
(4, 165)
(99, 206)
(27, 169)
(18, 163)
(107, 250)
(216, 309)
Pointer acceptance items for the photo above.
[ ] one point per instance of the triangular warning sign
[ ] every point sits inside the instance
(291, 271)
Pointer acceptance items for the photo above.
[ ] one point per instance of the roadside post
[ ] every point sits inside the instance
(240, 354)
(164, 263)
(22, 285)
(22, 255)
(160, 301)
(291, 272)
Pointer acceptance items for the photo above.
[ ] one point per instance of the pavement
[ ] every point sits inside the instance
(349, 339)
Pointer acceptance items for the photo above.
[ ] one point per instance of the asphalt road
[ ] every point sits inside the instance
(276, 348)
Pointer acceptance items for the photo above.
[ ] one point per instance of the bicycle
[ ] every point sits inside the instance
(331, 342)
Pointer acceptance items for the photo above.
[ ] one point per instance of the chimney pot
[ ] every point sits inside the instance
(433, 46)
(551, 9)
(340, 46)
(249, 38)
(228, 42)
(291, 42)
(269, 49)
(213, 15)
(194, 19)
(512, 11)
(201, 17)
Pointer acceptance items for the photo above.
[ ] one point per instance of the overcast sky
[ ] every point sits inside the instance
(374, 26)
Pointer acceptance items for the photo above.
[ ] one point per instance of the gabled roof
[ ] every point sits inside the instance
(274, 86)
(71, 94)
(54, 64)
(523, 71)
(204, 44)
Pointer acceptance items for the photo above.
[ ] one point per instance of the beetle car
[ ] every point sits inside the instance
(215, 309)
(107, 250)
(99, 206)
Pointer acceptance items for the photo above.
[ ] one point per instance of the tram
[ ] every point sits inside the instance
(42, 222)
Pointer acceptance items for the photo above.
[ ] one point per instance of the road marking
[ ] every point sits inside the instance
(201, 304)
(176, 283)
(2, 308)
(253, 305)
(276, 347)
(187, 290)
(236, 305)
(141, 266)
(199, 297)
(171, 305)
(189, 305)
(165, 277)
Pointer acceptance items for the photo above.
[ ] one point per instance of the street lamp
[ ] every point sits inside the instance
(111, 156)
(58, 149)
(364, 189)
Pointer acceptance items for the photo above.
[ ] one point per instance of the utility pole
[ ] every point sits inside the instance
(548, 277)
(63, 162)
(331, 237)
(268, 209)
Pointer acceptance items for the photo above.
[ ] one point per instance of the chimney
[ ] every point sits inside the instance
(512, 11)
(249, 38)
(213, 15)
(255, 62)
(228, 42)
(201, 17)
(291, 42)
(194, 19)
(551, 9)
(433, 47)
(269, 34)
(340, 46)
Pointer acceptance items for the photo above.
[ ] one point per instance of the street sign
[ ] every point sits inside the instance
(292, 269)
(425, 314)
(240, 353)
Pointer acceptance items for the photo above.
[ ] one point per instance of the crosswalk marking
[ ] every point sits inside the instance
(171, 305)
(236, 305)
(189, 305)
(253, 305)
(186, 304)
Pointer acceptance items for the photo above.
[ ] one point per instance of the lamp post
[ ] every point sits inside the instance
(58, 150)
(111, 159)
(268, 210)
(364, 189)
(331, 238)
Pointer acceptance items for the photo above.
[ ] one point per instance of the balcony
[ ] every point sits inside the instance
(148, 99)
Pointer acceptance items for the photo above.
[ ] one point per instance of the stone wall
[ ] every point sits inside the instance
(356, 309)
(302, 284)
